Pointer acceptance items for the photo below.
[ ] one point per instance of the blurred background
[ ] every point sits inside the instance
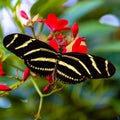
(99, 23)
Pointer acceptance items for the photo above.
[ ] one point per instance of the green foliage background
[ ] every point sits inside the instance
(90, 100)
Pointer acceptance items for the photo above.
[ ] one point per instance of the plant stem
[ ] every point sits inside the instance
(37, 116)
(32, 28)
(37, 88)
(53, 91)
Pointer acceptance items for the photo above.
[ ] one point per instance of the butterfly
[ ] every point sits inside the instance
(69, 67)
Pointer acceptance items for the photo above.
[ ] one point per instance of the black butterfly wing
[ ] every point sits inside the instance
(70, 67)
(38, 56)
(76, 67)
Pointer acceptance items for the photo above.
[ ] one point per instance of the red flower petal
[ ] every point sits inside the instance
(75, 29)
(26, 73)
(54, 44)
(77, 47)
(51, 21)
(1, 70)
(4, 87)
(62, 25)
(54, 24)
(82, 49)
(23, 14)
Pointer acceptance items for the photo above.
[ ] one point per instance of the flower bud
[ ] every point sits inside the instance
(46, 88)
(75, 29)
(4, 87)
(23, 14)
(26, 73)
(1, 70)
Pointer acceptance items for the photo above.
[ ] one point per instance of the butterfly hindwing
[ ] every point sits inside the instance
(76, 67)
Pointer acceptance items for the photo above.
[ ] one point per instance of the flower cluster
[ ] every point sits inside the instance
(57, 39)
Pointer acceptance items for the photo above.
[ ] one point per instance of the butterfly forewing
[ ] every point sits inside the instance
(26, 47)
(38, 56)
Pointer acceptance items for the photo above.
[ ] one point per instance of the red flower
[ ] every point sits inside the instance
(55, 45)
(26, 73)
(1, 70)
(24, 14)
(75, 29)
(54, 24)
(78, 46)
(4, 87)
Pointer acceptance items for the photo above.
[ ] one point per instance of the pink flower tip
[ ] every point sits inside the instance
(26, 73)
(75, 29)
(4, 87)
(39, 20)
(24, 14)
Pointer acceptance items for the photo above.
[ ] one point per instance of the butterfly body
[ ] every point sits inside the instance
(44, 60)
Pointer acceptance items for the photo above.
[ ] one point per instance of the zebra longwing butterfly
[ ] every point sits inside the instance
(44, 60)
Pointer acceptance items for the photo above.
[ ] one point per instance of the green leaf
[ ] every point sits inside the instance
(111, 47)
(44, 7)
(81, 9)
(1, 32)
(15, 62)
(4, 51)
(4, 3)
(95, 28)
